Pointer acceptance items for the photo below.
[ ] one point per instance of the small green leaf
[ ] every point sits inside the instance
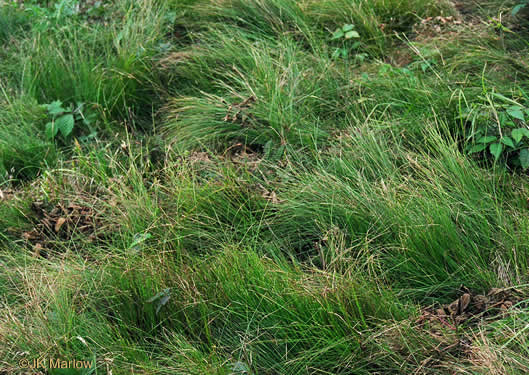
(502, 117)
(487, 139)
(517, 9)
(517, 134)
(347, 27)
(51, 130)
(361, 57)
(159, 295)
(516, 112)
(55, 108)
(524, 158)
(352, 34)
(267, 148)
(339, 52)
(162, 298)
(337, 34)
(65, 124)
(507, 141)
(477, 148)
(496, 149)
(240, 368)
(138, 239)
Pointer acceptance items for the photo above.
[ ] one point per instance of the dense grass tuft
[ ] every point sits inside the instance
(242, 193)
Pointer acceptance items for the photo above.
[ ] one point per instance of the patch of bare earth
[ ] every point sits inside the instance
(471, 309)
(451, 337)
(458, 327)
(62, 222)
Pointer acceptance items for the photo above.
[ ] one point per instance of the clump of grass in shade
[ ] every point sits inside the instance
(247, 191)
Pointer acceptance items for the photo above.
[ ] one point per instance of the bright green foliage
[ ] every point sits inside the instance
(499, 124)
(265, 186)
(519, 6)
(345, 33)
(63, 120)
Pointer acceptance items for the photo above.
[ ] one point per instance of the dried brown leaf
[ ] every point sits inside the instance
(60, 222)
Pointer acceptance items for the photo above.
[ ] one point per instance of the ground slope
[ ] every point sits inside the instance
(264, 187)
